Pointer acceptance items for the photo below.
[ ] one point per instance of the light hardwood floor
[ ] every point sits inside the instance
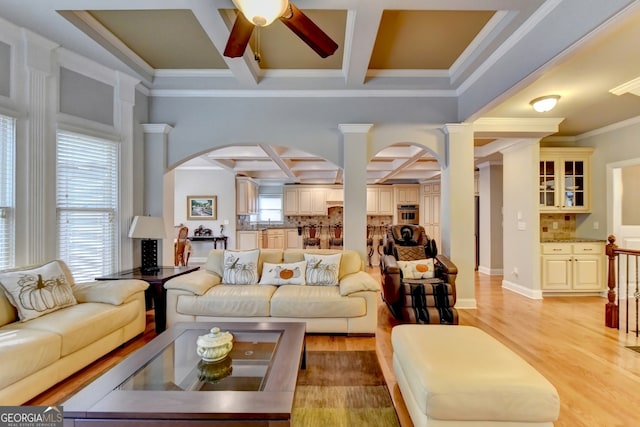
(597, 377)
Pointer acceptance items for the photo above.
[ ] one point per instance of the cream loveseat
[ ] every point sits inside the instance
(68, 326)
(348, 307)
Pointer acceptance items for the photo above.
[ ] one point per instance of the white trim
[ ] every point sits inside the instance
(490, 271)
(337, 93)
(521, 290)
(610, 128)
(466, 303)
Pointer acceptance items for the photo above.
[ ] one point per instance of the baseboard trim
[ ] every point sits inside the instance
(490, 271)
(466, 303)
(519, 289)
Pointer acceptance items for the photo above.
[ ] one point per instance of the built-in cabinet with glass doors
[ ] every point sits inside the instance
(564, 178)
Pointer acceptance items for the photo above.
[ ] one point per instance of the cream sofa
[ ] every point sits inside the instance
(350, 307)
(38, 353)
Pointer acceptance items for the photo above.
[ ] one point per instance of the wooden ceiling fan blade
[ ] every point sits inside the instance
(309, 32)
(239, 37)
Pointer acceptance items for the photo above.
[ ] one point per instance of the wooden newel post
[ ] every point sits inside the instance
(611, 308)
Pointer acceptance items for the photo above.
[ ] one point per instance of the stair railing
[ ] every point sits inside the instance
(627, 263)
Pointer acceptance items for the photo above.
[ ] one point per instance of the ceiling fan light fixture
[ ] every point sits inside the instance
(262, 12)
(545, 103)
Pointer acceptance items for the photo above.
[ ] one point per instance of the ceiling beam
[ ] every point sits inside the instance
(403, 165)
(281, 163)
(360, 37)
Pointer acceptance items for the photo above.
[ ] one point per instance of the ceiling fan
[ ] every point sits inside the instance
(262, 13)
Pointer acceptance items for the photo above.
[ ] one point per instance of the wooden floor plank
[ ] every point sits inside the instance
(564, 338)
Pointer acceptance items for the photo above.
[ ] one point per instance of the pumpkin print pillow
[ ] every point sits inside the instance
(322, 269)
(37, 291)
(284, 274)
(240, 267)
(417, 269)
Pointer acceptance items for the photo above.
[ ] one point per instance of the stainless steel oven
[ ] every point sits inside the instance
(408, 214)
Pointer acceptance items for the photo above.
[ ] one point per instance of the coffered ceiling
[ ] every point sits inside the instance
(493, 56)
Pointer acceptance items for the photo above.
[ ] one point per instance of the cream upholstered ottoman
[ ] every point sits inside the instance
(461, 376)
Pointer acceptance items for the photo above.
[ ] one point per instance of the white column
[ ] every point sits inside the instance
(356, 157)
(39, 149)
(156, 141)
(458, 241)
(125, 92)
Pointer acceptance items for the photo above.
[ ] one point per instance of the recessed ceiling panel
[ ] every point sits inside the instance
(165, 39)
(429, 40)
(280, 48)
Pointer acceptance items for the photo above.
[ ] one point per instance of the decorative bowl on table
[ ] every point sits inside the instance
(215, 345)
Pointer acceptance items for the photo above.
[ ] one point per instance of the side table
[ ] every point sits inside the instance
(156, 281)
(215, 240)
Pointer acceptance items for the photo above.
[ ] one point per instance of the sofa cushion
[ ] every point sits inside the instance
(229, 300)
(37, 291)
(315, 301)
(284, 274)
(241, 267)
(83, 324)
(350, 261)
(322, 269)
(215, 260)
(25, 351)
(8, 313)
(356, 282)
(113, 292)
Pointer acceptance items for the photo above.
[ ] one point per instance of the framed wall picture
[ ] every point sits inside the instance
(202, 207)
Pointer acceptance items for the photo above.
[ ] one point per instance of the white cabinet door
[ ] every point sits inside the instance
(292, 239)
(556, 272)
(335, 195)
(407, 194)
(247, 240)
(588, 273)
(431, 211)
(385, 201)
(290, 196)
(305, 201)
(319, 201)
(372, 201)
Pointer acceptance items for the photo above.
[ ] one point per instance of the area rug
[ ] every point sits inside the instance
(342, 389)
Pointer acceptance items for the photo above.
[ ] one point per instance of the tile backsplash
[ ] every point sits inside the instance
(557, 226)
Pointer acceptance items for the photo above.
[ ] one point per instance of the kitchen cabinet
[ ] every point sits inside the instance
(251, 239)
(246, 196)
(565, 179)
(431, 210)
(275, 238)
(335, 195)
(308, 200)
(380, 200)
(407, 194)
(573, 267)
(292, 239)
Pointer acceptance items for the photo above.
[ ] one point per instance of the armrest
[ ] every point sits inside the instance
(447, 271)
(390, 264)
(113, 292)
(360, 281)
(198, 282)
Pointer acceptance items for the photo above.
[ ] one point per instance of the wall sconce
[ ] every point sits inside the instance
(260, 12)
(545, 103)
(149, 229)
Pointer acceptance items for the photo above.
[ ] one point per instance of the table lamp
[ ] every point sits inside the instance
(149, 229)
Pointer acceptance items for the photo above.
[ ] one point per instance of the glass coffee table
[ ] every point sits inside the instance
(165, 383)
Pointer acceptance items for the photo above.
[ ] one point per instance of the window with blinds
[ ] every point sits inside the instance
(7, 191)
(87, 204)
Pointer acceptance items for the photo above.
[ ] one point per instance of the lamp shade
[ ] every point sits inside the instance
(147, 227)
(545, 103)
(262, 12)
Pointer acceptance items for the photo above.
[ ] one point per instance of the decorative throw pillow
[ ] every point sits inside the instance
(37, 291)
(322, 269)
(283, 274)
(240, 267)
(417, 269)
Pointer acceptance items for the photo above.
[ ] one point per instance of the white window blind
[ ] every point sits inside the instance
(7, 191)
(87, 204)
(270, 207)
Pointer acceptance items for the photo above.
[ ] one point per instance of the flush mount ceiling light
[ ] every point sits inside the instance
(545, 103)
